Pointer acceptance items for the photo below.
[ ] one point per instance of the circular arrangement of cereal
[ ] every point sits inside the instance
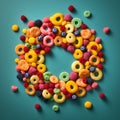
(73, 36)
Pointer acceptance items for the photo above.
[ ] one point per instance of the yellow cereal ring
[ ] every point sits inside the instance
(97, 75)
(92, 38)
(41, 68)
(78, 42)
(58, 40)
(23, 65)
(62, 84)
(46, 94)
(41, 59)
(34, 79)
(76, 66)
(30, 90)
(71, 87)
(84, 73)
(32, 40)
(69, 28)
(85, 33)
(19, 49)
(81, 92)
(70, 37)
(57, 19)
(80, 83)
(53, 79)
(94, 60)
(59, 98)
(77, 54)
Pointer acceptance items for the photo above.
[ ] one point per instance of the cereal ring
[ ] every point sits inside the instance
(41, 68)
(30, 90)
(86, 33)
(58, 41)
(87, 13)
(71, 87)
(59, 98)
(53, 79)
(97, 75)
(81, 92)
(80, 83)
(40, 59)
(78, 42)
(19, 49)
(84, 73)
(46, 94)
(23, 65)
(69, 28)
(77, 54)
(70, 38)
(34, 79)
(62, 84)
(76, 66)
(76, 22)
(31, 56)
(94, 60)
(48, 41)
(64, 76)
(45, 29)
(57, 19)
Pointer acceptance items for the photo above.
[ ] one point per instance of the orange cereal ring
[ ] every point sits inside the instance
(41, 68)
(23, 65)
(19, 49)
(71, 87)
(85, 33)
(58, 40)
(81, 92)
(80, 83)
(30, 90)
(94, 60)
(62, 84)
(84, 73)
(53, 79)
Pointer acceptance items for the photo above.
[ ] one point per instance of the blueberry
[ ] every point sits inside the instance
(37, 46)
(63, 34)
(89, 81)
(27, 75)
(20, 76)
(38, 23)
(40, 38)
(55, 30)
(92, 69)
(76, 33)
(83, 48)
(74, 97)
(39, 93)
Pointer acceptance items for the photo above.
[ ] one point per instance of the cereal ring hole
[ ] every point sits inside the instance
(58, 19)
(77, 66)
(59, 96)
(76, 41)
(71, 87)
(94, 60)
(76, 22)
(96, 73)
(45, 28)
(30, 56)
(20, 49)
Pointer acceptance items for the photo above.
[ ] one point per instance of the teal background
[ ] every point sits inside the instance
(20, 106)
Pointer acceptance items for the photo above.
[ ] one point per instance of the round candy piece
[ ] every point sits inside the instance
(15, 28)
(88, 104)
(37, 106)
(87, 13)
(102, 95)
(55, 108)
(106, 30)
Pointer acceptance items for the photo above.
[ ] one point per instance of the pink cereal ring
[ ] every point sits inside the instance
(45, 29)
(48, 41)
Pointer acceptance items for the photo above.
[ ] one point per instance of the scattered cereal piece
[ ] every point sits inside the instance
(15, 28)
(55, 108)
(14, 88)
(71, 8)
(102, 95)
(37, 106)
(87, 13)
(106, 30)
(23, 18)
(31, 24)
(88, 104)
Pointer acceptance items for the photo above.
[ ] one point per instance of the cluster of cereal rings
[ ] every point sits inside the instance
(72, 35)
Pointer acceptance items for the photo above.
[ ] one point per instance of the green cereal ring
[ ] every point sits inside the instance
(76, 22)
(87, 13)
(56, 90)
(64, 76)
(55, 108)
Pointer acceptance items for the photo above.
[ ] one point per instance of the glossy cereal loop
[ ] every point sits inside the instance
(53, 79)
(30, 90)
(69, 28)
(34, 79)
(41, 59)
(97, 75)
(76, 22)
(94, 60)
(45, 29)
(78, 42)
(64, 76)
(46, 94)
(86, 33)
(76, 66)
(71, 87)
(23, 65)
(62, 84)
(57, 19)
(84, 73)
(81, 92)
(48, 41)
(41, 68)
(59, 98)
(77, 54)
(70, 38)
(19, 49)
(58, 41)
(80, 83)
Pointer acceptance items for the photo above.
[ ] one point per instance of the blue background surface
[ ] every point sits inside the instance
(20, 106)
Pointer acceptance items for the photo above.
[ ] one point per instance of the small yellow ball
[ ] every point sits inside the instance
(88, 104)
(15, 28)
